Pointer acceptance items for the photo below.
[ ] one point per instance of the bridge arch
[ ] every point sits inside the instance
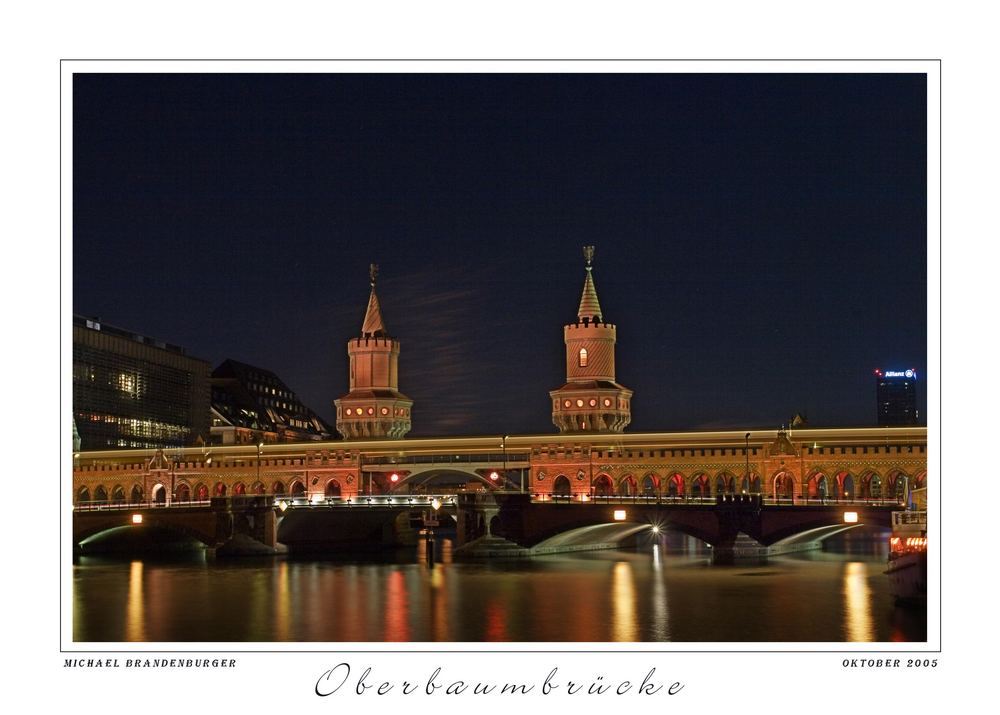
(603, 486)
(82, 495)
(675, 485)
(220, 489)
(278, 488)
(100, 494)
(258, 488)
(297, 488)
(896, 483)
(159, 494)
(118, 494)
(725, 483)
(650, 484)
(701, 485)
(920, 481)
(102, 528)
(818, 486)
(753, 487)
(626, 486)
(183, 492)
(783, 484)
(201, 492)
(136, 495)
(844, 485)
(332, 489)
(420, 477)
(239, 489)
(561, 486)
(871, 485)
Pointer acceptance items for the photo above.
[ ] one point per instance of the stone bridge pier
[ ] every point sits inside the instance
(477, 516)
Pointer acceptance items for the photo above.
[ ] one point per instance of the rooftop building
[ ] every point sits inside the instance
(251, 403)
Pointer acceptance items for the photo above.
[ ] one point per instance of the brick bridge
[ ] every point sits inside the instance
(731, 524)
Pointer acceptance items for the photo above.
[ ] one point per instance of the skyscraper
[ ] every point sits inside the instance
(896, 397)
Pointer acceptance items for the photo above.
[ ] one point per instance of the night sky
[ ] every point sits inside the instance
(760, 239)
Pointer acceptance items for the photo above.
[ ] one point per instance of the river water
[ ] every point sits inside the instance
(654, 592)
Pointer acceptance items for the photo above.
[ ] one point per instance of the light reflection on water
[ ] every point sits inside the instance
(857, 599)
(657, 592)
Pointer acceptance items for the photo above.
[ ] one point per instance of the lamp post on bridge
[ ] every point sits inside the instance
(746, 453)
(503, 446)
(260, 446)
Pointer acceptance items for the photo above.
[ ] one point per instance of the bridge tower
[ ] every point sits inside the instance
(374, 408)
(591, 400)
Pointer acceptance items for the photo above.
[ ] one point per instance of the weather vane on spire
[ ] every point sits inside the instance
(373, 273)
(588, 255)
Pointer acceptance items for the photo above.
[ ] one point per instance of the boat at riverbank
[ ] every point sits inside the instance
(907, 567)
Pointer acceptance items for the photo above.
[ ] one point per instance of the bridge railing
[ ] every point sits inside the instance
(376, 500)
(679, 500)
(132, 505)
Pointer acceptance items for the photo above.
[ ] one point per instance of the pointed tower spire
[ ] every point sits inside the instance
(373, 325)
(374, 408)
(590, 307)
(590, 400)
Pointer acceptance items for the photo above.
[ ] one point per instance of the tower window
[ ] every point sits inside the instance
(583, 357)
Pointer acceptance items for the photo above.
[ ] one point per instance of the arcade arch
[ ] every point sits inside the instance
(603, 486)
(650, 485)
(626, 487)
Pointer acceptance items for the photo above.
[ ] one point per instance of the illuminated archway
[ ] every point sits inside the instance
(724, 484)
(845, 486)
(220, 489)
(561, 486)
(239, 489)
(258, 488)
(83, 495)
(603, 486)
(332, 489)
(278, 488)
(183, 493)
(650, 485)
(675, 485)
(201, 492)
(159, 494)
(100, 494)
(818, 486)
(298, 489)
(871, 486)
(701, 487)
(118, 494)
(783, 485)
(626, 487)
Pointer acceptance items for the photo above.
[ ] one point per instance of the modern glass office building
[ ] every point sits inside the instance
(130, 390)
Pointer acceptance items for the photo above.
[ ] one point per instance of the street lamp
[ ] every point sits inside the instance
(503, 445)
(746, 452)
(260, 446)
(432, 522)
